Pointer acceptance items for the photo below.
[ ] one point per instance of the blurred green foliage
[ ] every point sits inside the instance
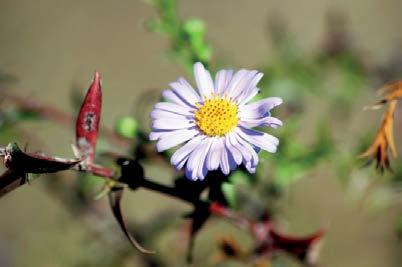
(127, 127)
(186, 37)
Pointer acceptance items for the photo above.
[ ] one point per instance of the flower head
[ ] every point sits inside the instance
(215, 124)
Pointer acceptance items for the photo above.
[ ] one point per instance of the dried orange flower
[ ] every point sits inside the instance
(384, 140)
(392, 91)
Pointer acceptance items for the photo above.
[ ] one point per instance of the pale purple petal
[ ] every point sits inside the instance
(163, 114)
(189, 174)
(169, 95)
(239, 83)
(171, 124)
(157, 133)
(239, 145)
(202, 167)
(196, 160)
(259, 108)
(233, 150)
(259, 139)
(267, 121)
(202, 172)
(195, 157)
(174, 108)
(250, 88)
(185, 91)
(214, 154)
(175, 138)
(238, 76)
(252, 165)
(250, 157)
(251, 169)
(182, 154)
(252, 93)
(232, 163)
(222, 80)
(224, 162)
(203, 79)
(153, 136)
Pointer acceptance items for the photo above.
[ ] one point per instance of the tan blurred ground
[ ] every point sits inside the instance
(52, 44)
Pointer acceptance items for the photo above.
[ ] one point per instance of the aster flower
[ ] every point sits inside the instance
(215, 123)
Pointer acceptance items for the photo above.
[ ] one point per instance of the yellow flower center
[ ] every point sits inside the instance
(217, 116)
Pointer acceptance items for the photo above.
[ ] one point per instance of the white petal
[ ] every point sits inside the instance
(181, 155)
(174, 108)
(171, 124)
(203, 79)
(222, 80)
(174, 138)
(259, 139)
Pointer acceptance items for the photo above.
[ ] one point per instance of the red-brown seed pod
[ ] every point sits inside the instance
(87, 124)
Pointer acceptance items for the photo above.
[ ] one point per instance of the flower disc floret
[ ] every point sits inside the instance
(217, 116)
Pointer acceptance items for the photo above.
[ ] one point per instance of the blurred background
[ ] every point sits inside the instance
(325, 58)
